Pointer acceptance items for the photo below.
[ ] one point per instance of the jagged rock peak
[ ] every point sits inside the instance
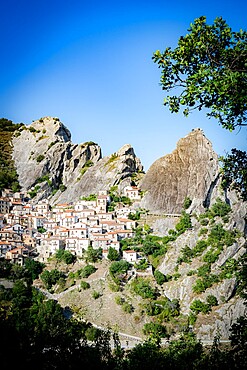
(51, 126)
(191, 170)
(125, 149)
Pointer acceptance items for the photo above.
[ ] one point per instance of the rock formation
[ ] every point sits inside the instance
(49, 164)
(191, 170)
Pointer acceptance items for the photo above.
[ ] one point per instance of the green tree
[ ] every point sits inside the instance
(87, 271)
(207, 69)
(93, 255)
(65, 256)
(118, 268)
(159, 277)
(234, 170)
(113, 254)
(34, 268)
(49, 278)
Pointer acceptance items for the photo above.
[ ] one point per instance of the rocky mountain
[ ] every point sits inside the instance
(199, 263)
(50, 166)
(191, 170)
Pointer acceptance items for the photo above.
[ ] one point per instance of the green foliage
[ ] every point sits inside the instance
(51, 144)
(203, 231)
(112, 158)
(234, 170)
(87, 271)
(142, 264)
(96, 294)
(229, 269)
(119, 268)
(93, 255)
(212, 300)
(65, 256)
(34, 191)
(88, 143)
(113, 254)
(62, 187)
(90, 197)
(143, 288)
(238, 339)
(220, 208)
(119, 300)
(134, 216)
(165, 309)
(41, 229)
(40, 158)
(86, 166)
(8, 174)
(154, 329)
(204, 270)
(50, 278)
(205, 282)
(127, 307)
(187, 203)
(242, 276)
(35, 268)
(205, 68)
(184, 223)
(43, 178)
(159, 277)
(198, 306)
(44, 336)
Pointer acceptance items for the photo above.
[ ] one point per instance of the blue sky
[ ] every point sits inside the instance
(90, 64)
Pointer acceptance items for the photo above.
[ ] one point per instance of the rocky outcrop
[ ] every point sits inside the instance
(191, 170)
(51, 166)
(115, 169)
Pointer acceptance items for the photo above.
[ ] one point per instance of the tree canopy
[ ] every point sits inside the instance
(208, 69)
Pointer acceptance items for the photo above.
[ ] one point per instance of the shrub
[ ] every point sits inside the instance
(184, 223)
(118, 268)
(159, 277)
(65, 256)
(90, 197)
(119, 300)
(34, 192)
(143, 288)
(87, 271)
(203, 231)
(85, 285)
(62, 187)
(49, 278)
(154, 329)
(127, 307)
(93, 255)
(198, 306)
(212, 300)
(113, 254)
(95, 294)
(40, 158)
(220, 208)
(204, 270)
(187, 203)
(204, 222)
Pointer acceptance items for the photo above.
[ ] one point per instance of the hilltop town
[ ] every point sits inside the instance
(39, 230)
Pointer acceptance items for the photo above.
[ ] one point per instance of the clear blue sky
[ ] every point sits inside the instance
(90, 64)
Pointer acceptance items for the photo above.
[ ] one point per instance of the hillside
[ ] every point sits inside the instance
(190, 239)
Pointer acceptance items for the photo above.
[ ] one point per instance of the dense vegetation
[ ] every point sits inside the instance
(43, 335)
(8, 174)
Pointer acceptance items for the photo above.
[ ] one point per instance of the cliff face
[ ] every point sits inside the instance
(115, 169)
(51, 166)
(191, 170)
